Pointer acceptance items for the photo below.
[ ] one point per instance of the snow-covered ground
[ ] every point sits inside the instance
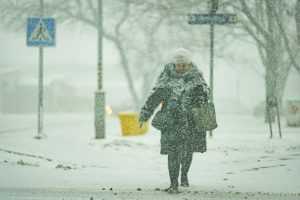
(241, 161)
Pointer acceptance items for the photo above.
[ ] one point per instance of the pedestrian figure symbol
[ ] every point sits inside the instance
(40, 33)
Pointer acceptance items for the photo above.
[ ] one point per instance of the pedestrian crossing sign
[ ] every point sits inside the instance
(41, 32)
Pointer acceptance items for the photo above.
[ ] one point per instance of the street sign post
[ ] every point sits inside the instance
(40, 33)
(212, 19)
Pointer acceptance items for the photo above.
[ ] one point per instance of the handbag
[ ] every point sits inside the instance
(205, 117)
(162, 120)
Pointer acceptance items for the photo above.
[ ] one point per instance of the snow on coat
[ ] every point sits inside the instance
(178, 92)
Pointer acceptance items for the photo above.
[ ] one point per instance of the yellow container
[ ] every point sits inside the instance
(130, 124)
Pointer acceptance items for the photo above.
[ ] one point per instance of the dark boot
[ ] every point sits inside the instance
(172, 190)
(173, 167)
(186, 162)
(184, 181)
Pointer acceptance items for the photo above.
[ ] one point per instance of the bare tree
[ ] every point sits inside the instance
(121, 20)
(266, 21)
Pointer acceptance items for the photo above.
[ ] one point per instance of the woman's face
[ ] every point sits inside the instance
(181, 67)
(181, 63)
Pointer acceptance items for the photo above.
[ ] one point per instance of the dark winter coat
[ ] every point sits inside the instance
(178, 92)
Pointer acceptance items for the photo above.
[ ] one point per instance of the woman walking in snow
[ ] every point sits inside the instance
(180, 88)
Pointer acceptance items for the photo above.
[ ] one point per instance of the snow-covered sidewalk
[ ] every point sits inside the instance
(240, 157)
(117, 194)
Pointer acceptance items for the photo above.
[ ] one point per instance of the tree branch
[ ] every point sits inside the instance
(246, 11)
(92, 8)
(254, 36)
(286, 41)
(77, 16)
(262, 56)
(123, 19)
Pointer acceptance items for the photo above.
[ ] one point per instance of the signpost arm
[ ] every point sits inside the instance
(40, 85)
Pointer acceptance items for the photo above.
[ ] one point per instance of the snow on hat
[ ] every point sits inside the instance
(181, 55)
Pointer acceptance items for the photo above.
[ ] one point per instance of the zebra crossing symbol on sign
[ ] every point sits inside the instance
(40, 32)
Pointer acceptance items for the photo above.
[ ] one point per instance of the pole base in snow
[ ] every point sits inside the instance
(99, 114)
(40, 136)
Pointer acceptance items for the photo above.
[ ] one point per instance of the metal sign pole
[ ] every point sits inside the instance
(40, 33)
(213, 10)
(40, 86)
(211, 82)
(40, 98)
(212, 19)
(269, 119)
(278, 119)
(99, 94)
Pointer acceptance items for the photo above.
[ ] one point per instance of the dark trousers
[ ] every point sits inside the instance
(180, 156)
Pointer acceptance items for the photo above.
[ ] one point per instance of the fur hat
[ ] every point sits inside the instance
(181, 55)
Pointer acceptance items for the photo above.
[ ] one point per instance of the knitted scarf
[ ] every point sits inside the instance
(180, 81)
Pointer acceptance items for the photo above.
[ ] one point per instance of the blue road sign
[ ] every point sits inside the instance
(41, 32)
(220, 19)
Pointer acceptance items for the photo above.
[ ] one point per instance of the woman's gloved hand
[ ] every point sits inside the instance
(142, 119)
(144, 115)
